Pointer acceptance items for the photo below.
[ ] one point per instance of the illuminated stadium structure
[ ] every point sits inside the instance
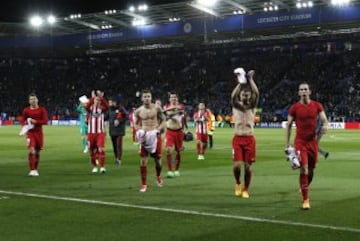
(88, 48)
(187, 23)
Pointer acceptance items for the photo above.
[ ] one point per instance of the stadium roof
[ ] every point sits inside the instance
(123, 18)
(91, 23)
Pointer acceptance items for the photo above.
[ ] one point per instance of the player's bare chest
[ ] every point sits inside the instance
(147, 114)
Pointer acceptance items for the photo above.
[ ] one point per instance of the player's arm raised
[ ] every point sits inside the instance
(254, 88)
(235, 97)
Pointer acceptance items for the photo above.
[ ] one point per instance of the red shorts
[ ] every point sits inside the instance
(174, 138)
(244, 148)
(157, 154)
(35, 140)
(96, 140)
(308, 152)
(202, 137)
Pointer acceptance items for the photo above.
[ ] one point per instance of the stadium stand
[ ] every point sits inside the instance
(197, 74)
(194, 57)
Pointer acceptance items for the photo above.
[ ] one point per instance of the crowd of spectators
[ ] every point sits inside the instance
(204, 73)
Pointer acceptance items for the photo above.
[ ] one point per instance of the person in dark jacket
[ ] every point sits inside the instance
(117, 123)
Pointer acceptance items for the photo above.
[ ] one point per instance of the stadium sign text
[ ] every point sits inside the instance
(331, 125)
(284, 18)
(106, 35)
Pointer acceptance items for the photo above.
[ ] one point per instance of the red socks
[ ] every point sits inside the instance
(177, 162)
(304, 184)
(32, 161)
(101, 156)
(169, 161)
(248, 174)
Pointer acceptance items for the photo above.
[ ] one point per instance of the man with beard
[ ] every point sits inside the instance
(244, 99)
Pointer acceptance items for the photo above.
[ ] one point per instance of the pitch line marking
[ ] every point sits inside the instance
(181, 211)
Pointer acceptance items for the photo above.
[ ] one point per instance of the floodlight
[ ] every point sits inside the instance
(310, 4)
(36, 21)
(132, 9)
(51, 19)
(207, 3)
(143, 7)
(298, 4)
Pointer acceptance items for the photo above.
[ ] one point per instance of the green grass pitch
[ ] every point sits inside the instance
(70, 203)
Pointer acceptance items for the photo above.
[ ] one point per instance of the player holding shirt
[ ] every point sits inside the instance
(201, 117)
(174, 135)
(35, 117)
(149, 121)
(244, 99)
(305, 113)
(96, 108)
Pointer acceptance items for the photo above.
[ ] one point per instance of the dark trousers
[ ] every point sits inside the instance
(117, 142)
(211, 141)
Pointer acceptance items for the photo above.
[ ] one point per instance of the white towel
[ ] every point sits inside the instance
(148, 139)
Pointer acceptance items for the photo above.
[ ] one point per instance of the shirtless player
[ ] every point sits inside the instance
(149, 121)
(244, 99)
(174, 136)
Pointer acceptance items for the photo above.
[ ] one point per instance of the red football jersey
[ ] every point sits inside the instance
(305, 119)
(201, 124)
(39, 115)
(96, 115)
